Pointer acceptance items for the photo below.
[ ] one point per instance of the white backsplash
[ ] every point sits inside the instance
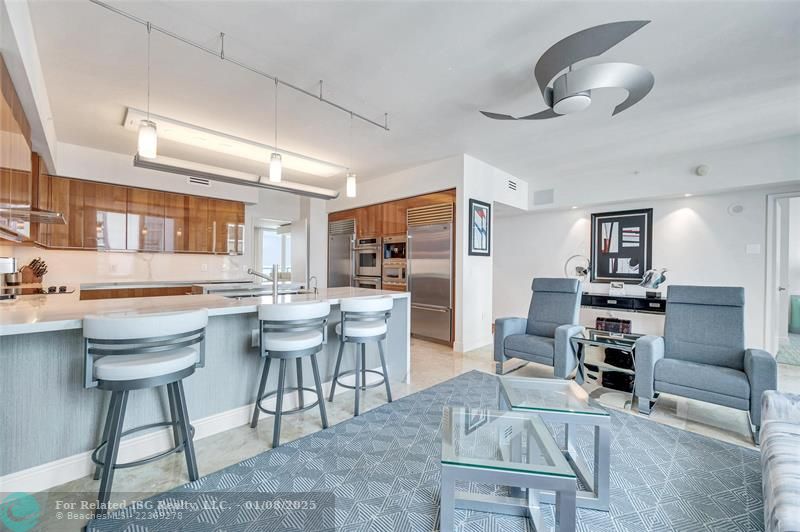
(76, 267)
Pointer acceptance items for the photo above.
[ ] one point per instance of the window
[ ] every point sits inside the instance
(276, 248)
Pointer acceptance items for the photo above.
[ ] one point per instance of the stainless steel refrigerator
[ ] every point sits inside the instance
(341, 255)
(430, 281)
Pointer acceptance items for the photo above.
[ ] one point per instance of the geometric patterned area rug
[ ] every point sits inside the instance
(383, 470)
(789, 350)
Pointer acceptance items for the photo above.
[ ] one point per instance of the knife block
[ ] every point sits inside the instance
(28, 277)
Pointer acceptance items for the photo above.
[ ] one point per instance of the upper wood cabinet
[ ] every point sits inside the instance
(368, 221)
(199, 238)
(104, 216)
(15, 155)
(389, 218)
(113, 217)
(176, 222)
(145, 220)
(227, 224)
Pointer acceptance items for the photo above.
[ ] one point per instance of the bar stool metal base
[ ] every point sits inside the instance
(364, 386)
(278, 413)
(360, 371)
(183, 433)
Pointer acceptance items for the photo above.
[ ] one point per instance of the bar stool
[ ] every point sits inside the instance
(364, 320)
(128, 353)
(291, 331)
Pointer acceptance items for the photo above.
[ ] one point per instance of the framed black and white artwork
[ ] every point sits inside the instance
(480, 228)
(622, 245)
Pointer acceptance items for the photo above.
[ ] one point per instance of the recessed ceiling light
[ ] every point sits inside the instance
(574, 206)
(209, 139)
(687, 195)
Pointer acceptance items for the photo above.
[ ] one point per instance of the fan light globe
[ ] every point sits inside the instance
(572, 104)
(275, 169)
(148, 139)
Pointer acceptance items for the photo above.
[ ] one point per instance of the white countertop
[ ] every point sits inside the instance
(31, 314)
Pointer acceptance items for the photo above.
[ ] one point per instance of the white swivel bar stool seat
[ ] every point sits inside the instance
(364, 319)
(291, 331)
(127, 353)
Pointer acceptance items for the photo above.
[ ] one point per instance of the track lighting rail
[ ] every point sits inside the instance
(224, 57)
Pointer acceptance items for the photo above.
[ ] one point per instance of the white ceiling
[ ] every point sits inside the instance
(726, 73)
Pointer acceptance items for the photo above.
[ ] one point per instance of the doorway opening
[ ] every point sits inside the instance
(782, 313)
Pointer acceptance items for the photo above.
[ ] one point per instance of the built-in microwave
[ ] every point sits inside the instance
(394, 247)
(394, 273)
(368, 257)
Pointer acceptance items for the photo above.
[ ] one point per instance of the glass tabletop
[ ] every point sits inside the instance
(548, 395)
(501, 440)
(607, 338)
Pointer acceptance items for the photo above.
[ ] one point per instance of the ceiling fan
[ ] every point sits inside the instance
(571, 92)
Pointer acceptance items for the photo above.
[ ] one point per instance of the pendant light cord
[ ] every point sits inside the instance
(276, 115)
(149, 28)
(350, 156)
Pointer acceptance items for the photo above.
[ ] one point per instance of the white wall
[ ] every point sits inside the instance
(485, 183)
(695, 238)
(771, 162)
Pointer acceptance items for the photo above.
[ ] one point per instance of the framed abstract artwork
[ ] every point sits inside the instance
(480, 228)
(622, 245)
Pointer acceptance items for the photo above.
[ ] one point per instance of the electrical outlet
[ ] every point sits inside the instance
(254, 338)
(204, 267)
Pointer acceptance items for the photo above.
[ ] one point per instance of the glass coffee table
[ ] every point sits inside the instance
(503, 448)
(564, 402)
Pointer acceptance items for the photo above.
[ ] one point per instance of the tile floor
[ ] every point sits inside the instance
(431, 364)
(789, 351)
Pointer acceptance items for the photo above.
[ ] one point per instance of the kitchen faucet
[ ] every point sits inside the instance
(314, 277)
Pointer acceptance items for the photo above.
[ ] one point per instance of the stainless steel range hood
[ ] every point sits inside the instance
(33, 215)
(9, 215)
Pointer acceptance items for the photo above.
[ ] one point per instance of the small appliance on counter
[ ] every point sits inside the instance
(8, 266)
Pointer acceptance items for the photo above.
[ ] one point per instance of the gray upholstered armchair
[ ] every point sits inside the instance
(544, 335)
(702, 354)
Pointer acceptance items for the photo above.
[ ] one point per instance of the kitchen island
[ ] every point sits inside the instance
(42, 398)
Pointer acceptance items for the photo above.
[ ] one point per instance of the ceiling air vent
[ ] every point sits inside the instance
(543, 197)
(511, 184)
(199, 181)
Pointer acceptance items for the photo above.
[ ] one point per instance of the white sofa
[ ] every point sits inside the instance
(780, 461)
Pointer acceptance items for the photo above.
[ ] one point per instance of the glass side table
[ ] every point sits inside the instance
(565, 402)
(512, 449)
(605, 339)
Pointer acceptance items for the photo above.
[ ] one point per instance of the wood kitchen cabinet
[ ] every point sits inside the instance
(104, 216)
(199, 238)
(145, 220)
(57, 199)
(393, 218)
(389, 218)
(368, 221)
(176, 222)
(227, 223)
(15, 155)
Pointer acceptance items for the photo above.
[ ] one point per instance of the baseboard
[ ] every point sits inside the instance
(57, 472)
(463, 347)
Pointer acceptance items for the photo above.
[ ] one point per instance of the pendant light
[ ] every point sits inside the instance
(275, 165)
(148, 135)
(350, 184)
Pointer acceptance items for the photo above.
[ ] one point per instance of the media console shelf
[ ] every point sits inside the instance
(626, 303)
